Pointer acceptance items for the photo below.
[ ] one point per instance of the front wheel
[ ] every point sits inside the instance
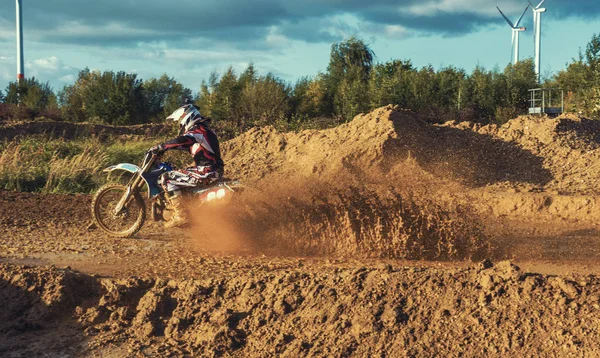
(123, 224)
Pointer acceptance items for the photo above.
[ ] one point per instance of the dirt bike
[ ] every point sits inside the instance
(120, 210)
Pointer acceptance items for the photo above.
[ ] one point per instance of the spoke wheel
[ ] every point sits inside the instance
(123, 224)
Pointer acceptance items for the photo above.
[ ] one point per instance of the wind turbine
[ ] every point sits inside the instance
(20, 66)
(515, 33)
(537, 24)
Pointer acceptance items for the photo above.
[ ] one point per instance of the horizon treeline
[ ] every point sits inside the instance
(353, 83)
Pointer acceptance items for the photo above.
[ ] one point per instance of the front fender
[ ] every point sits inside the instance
(150, 178)
(132, 168)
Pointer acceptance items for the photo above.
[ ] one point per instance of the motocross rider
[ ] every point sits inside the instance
(196, 137)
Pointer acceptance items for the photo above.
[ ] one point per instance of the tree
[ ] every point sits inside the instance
(480, 94)
(520, 78)
(307, 97)
(351, 54)
(425, 88)
(352, 96)
(351, 57)
(108, 97)
(390, 83)
(592, 56)
(162, 96)
(32, 94)
(206, 96)
(450, 84)
(265, 100)
(574, 77)
(226, 96)
(248, 77)
(581, 80)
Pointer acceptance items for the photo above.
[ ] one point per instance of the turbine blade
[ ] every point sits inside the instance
(505, 18)
(530, 4)
(540, 4)
(523, 14)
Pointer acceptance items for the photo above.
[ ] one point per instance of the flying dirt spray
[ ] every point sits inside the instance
(350, 191)
(20, 66)
(339, 216)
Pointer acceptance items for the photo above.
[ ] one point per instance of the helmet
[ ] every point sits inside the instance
(187, 116)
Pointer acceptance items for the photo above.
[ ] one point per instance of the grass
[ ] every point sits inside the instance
(55, 165)
(78, 173)
(20, 170)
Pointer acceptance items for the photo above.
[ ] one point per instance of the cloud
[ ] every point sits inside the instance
(483, 8)
(191, 38)
(396, 31)
(50, 68)
(77, 31)
(50, 63)
(438, 23)
(68, 79)
(318, 29)
(259, 23)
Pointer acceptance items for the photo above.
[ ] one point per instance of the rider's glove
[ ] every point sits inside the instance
(157, 149)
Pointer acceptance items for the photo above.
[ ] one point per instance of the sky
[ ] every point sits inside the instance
(189, 39)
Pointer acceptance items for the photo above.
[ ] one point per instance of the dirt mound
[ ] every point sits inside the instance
(569, 146)
(483, 310)
(356, 146)
(36, 306)
(532, 153)
(549, 167)
(376, 143)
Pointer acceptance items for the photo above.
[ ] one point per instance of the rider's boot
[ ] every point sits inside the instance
(179, 217)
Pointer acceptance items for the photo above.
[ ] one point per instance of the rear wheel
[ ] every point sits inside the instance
(123, 224)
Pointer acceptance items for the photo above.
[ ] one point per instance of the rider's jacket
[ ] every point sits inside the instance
(202, 143)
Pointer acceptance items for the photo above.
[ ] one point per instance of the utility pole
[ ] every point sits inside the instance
(20, 62)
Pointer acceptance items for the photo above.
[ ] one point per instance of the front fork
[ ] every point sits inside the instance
(133, 186)
(128, 196)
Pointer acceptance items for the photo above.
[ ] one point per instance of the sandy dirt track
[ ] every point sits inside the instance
(403, 253)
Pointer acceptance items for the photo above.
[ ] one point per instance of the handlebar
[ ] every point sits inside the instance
(150, 156)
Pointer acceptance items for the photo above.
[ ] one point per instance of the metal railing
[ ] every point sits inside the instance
(541, 101)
